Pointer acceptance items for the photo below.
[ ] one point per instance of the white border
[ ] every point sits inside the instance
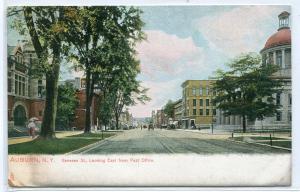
(295, 75)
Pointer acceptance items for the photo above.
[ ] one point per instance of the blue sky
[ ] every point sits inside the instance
(191, 42)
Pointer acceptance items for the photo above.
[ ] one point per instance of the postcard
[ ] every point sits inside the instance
(149, 96)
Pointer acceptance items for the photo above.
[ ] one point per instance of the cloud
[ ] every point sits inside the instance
(160, 93)
(166, 53)
(167, 60)
(242, 29)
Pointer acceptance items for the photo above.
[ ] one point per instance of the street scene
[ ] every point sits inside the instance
(149, 80)
(163, 141)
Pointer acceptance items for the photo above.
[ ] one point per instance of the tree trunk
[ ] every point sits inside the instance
(49, 117)
(88, 102)
(117, 121)
(244, 123)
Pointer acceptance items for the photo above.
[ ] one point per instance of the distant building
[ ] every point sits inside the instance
(25, 92)
(197, 107)
(178, 110)
(161, 119)
(125, 120)
(153, 118)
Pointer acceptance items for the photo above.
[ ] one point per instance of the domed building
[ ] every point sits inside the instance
(277, 51)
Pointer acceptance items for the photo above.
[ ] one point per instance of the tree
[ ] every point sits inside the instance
(169, 109)
(105, 112)
(66, 105)
(247, 89)
(91, 31)
(44, 26)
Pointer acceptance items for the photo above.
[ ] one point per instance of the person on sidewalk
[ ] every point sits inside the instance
(31, 128)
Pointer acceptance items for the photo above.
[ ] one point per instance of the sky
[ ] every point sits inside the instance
(191, 42)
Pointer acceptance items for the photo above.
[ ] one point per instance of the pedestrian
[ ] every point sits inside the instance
(31, 128)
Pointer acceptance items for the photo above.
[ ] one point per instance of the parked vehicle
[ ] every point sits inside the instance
(125, 127)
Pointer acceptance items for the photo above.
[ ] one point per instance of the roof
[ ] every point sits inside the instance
(281, 37)
(11, 50)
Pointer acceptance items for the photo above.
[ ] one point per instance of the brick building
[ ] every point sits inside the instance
(197, 107)
(25, 93)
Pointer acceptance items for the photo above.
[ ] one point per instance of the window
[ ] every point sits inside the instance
(207, 102)
(201, 102)
(278, 116)
(278, 99)
(279, 58)
(271, 59)
(194, 112)
(194, 102)
(290, 116)
(201, 91)
(201, 111)
(287, 59)
(19, 85)
(213, 103)
(290, 99)
(207, 111)
(9, 82)
(207, 90)
(214, 112)
(194, 91)
(30, 59)
(40, 88)
(264, 60)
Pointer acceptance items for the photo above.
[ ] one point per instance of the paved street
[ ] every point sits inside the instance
(172, 141)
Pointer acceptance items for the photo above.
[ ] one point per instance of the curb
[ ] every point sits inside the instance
(261, 144)
(82, 149)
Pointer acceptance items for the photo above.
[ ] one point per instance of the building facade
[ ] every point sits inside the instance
(178, 110)
(197, 107)
(276, 51)
(25, 92)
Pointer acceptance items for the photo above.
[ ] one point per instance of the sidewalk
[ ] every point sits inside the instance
(206, 131)
(16, 140)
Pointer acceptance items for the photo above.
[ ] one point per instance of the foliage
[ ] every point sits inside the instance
(44, 27)
(169, 109)
(247, 89)
(101, 37)
(66, 105)
(99, 40)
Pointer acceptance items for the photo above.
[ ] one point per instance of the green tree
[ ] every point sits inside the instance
(169, 109)
(91, 31)
(247, 89)
(66, 105)
(105, 113)
(44, 27)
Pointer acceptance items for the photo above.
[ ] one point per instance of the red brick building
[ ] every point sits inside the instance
(25, 93)
(80, 110)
